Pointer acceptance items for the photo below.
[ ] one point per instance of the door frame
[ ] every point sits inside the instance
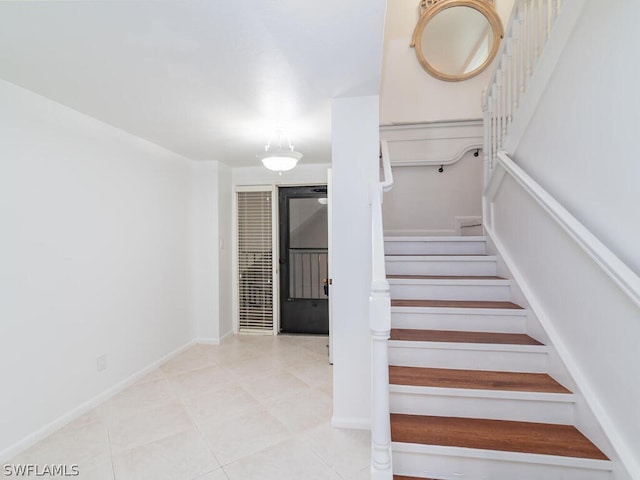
(275, 233)
(274, 249)
(280, 253)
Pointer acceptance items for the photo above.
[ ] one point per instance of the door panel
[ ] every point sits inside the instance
(303, 260)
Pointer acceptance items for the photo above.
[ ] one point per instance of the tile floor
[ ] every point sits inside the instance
(256, 407)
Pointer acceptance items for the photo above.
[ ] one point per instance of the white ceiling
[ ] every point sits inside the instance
(208, 79)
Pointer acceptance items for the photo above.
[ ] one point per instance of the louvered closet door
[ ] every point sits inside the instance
(255, 266)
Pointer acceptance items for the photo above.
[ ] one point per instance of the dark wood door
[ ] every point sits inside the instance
(304, 306)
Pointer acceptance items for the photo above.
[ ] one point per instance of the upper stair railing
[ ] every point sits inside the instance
(380, 326)
(523, 70)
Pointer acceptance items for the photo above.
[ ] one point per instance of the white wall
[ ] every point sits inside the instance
(212, 250)
(425, 201)
(580, 146)
(354, 168)
(95, 259)
(408, 93)
(588, 159)
(225, 254)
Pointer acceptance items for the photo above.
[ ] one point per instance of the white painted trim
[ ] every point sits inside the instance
(519, 457)
(493, 394)
(453, 139)
(357, 423)
(274, 253)
(77, 412)
(483, 282)
(610, 264)
(588, 393)
(214, 341)
(421, 233)
(275, 256)
(428, 238)
(395, 257)
(509, 312)
(544, 68)
(486, 347)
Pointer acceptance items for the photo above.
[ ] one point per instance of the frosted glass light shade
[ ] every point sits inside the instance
(280, 161)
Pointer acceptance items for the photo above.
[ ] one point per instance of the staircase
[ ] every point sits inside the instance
(469, 394)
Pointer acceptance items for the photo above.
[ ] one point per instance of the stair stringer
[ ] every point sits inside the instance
(557, 362)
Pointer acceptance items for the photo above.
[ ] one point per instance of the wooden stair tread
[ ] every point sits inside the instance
(501, 435)
(454, 304)
(474, 379)
(446, 277)
(462, 337)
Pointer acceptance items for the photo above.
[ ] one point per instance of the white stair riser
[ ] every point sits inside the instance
(458, 322)
(440, 267)
(524, 410)
(466, 468)
(471, 247)
(450, 292)
(506, 361)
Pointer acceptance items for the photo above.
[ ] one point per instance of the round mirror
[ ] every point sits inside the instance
(457, 39)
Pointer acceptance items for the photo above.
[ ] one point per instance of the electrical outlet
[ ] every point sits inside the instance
(101, 363)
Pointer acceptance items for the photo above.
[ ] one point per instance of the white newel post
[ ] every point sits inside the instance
(380, 325)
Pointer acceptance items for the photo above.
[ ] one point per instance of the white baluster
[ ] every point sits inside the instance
(499, 80)
(507, 83)
(545, 23)
(494, 126)
(528, 21)
(523, 46)
(535, 25)
(515, 60)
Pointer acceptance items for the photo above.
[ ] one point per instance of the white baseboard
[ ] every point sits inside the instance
(356, 423)
(77, 412)
(214, 341)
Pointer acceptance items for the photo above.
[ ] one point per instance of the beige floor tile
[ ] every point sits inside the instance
(241, 436)
(180, 457)
(97, 470)
(217, 475)
(315, 374)
(195, 358)
(302, 412)
(136, 399)
(274, 385)
(259, 405)
(202, 380)
(364, 474)
(218, 405)
(286, 461)
(254, 367)
(347, 451)
(150, 425)
(69, 446)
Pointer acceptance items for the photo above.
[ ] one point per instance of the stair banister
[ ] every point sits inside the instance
(522, 68)
(380, 327)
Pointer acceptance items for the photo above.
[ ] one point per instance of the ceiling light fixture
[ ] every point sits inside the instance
(280, 158)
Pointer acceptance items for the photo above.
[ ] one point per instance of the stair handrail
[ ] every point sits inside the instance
(625, 278)
(380, 328)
